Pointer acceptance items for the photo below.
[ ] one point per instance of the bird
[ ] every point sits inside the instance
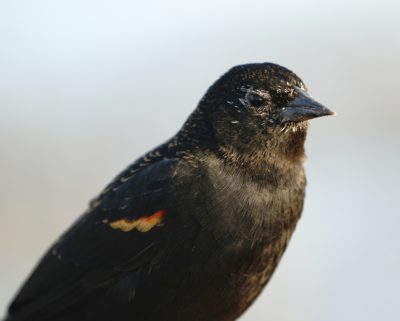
(194, 229)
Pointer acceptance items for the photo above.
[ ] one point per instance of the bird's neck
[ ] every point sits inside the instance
(281, 151)
(280, 156)
(195, 134)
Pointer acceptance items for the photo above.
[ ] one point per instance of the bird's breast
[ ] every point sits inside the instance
(249, 207)
(235, 230)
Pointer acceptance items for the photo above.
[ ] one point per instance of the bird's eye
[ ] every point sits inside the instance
(255, 100)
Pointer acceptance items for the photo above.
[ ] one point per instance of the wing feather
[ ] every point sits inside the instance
(92, 253)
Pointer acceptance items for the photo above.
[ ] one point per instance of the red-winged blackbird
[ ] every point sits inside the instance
(193, 230)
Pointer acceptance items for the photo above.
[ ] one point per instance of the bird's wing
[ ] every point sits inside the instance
(122, 231)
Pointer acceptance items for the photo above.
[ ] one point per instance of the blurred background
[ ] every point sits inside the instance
(86, 87)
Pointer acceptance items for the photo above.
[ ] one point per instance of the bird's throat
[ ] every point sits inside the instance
(280, 153)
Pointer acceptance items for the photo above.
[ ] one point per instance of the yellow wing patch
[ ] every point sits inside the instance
(142, 224)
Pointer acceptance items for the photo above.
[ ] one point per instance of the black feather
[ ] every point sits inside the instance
(194, 229)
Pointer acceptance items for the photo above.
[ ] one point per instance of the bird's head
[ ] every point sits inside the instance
(255, 105)
(253, 112)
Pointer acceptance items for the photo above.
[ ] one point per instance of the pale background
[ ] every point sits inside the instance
(88, 86)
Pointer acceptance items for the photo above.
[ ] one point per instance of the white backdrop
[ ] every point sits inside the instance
(88, 86)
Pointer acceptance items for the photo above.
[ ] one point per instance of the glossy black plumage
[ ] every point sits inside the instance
(194, 229)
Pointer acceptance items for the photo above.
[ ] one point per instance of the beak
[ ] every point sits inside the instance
(303, 107)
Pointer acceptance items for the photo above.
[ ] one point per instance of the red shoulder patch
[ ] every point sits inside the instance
(141, 224)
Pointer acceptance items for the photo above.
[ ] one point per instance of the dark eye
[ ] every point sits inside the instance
(255, 100)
